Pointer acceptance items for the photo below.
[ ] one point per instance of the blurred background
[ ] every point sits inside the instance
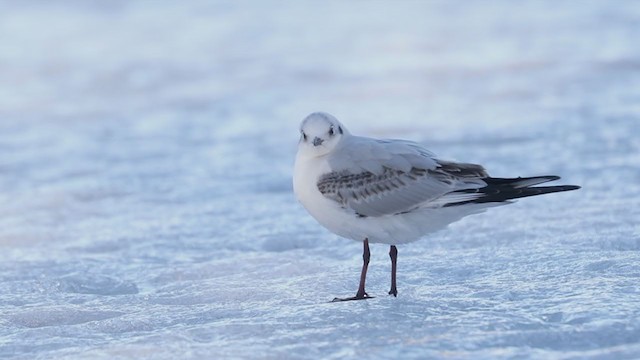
(146, 150)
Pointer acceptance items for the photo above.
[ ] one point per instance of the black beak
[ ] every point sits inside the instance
(317, 141)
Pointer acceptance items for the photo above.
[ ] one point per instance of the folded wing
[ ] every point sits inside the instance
(385, 177)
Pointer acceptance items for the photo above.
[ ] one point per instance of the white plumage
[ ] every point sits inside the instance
(391, 191)
(388, 191)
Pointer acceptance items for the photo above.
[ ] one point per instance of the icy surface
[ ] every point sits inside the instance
(146, 151)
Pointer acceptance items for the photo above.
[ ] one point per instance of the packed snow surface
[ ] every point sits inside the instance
(146, 151)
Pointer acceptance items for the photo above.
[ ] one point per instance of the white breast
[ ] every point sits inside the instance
(327, 212)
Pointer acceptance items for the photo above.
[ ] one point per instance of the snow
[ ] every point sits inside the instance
(146, 151)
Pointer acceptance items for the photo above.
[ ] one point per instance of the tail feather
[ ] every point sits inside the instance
(503, 189)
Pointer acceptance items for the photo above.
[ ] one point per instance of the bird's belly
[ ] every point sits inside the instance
(389, 229)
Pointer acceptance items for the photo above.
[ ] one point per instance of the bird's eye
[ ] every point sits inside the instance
(331, 132)
(304, 136)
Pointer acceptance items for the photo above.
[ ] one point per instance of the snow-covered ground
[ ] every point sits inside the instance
(146, 151)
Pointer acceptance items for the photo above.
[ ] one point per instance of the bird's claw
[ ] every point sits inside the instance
(363, 296)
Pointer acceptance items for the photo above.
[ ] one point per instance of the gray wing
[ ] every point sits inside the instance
(374, 155)
(380, 188)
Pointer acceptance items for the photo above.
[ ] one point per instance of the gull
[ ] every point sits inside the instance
(392, 191)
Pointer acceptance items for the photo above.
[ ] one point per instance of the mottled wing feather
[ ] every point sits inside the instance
(462, 170)
(383, 177)
(394, 191)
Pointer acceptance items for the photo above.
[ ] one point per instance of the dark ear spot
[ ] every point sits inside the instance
(340, 129)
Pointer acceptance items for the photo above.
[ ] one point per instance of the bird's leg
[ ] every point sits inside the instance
(361, 294)
(363, 275)
(393, 254)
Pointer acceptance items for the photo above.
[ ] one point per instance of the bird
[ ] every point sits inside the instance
(392, 191)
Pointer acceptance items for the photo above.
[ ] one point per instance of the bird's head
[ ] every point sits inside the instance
(320, 133)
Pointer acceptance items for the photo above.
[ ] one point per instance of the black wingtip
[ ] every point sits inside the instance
(502, 194)
(520, 182)
(500, 190)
